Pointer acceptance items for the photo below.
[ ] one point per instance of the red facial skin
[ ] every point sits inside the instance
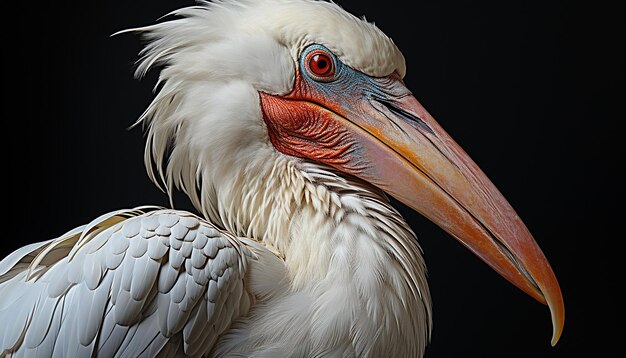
(301, 128)
(388, 139)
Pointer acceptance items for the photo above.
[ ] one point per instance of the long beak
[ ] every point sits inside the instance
(418, 163)
(376, 130)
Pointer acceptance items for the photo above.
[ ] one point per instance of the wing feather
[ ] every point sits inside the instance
(39, 329)
(94, 304)
(142, 282)
(19, 255)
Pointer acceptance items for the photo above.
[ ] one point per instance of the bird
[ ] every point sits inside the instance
(289, 126)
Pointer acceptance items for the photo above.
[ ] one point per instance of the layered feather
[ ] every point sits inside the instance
(329, 268)
(129, 283)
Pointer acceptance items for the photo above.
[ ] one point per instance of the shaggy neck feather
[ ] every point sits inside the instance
(336, 235)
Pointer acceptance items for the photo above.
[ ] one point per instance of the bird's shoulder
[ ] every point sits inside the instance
(166, 279)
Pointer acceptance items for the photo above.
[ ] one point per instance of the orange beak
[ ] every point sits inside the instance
(383, 135)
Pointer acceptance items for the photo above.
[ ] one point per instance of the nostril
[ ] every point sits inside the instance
(412, 119)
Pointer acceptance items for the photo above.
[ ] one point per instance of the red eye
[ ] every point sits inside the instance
(320, 65)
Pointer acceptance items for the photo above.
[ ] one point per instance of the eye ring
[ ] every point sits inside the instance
(320, 65)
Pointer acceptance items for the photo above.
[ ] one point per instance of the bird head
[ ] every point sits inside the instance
(244, 80)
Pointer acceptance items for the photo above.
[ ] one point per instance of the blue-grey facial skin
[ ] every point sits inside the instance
(351, 89)
(346, 81)
(374, 129)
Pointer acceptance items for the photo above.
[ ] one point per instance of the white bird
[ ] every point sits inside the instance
(285, 122)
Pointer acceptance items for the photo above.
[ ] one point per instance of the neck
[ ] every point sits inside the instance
(338, 235)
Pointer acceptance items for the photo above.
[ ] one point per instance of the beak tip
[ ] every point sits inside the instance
(557, 329)
(557, 312)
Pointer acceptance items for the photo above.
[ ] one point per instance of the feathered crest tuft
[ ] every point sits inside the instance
(205, 115)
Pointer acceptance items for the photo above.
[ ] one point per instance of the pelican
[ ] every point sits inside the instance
(287, 123)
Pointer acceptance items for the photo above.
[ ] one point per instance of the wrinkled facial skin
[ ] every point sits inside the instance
(305, 123)
(375, 129)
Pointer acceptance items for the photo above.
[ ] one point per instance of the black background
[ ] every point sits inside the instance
(533, 90)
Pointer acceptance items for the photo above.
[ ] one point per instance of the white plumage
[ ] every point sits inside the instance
(291, 257)
(133, 283)
(130, 283)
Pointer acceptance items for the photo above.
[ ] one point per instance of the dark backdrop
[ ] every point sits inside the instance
(533, 90)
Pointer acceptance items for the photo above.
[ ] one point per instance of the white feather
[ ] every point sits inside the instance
(117, 309)
(328, 268)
